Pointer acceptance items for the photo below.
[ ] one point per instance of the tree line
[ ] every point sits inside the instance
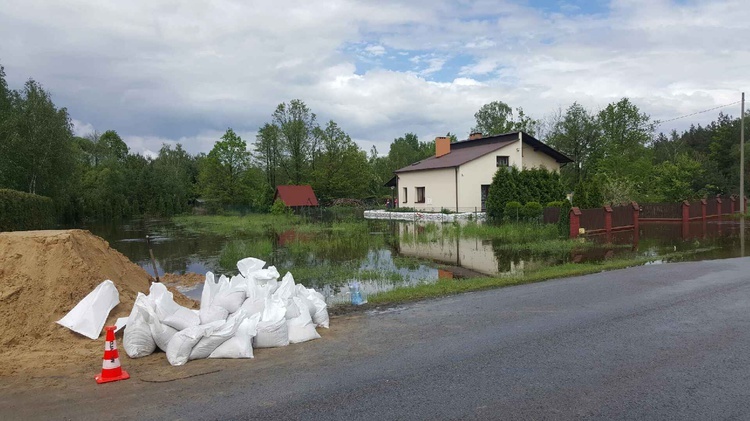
(617, 157)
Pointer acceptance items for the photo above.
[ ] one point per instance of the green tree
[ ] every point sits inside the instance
(497, 118)
(576, 134)
(223, 174)
(343, 169)
(298, 143)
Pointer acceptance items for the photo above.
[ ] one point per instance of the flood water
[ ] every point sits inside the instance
(386, 254)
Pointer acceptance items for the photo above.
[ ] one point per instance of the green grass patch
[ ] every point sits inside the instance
(239, 249)
(237, 226)
(444, 287)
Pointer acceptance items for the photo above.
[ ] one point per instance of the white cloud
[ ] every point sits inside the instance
(163, 74)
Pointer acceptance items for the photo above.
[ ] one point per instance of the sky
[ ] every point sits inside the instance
(184, 71)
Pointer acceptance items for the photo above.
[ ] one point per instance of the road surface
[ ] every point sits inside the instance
(668, 342)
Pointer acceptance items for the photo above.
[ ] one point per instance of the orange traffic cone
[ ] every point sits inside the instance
(111, 370)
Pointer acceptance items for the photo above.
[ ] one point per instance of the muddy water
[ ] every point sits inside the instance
(389, 257)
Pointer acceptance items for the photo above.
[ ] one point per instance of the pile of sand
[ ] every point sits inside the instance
(43, 275)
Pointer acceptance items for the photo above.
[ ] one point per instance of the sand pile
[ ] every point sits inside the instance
(43, 275)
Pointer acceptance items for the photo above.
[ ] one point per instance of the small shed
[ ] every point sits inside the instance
(296, 196)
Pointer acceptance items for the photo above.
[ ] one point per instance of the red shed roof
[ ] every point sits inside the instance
(296, 195)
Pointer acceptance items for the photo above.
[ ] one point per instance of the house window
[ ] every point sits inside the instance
(485, 191)
(420, 194)
(406, 195)
(502, 161)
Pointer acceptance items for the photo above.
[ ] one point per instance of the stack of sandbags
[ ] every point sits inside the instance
(252, 309)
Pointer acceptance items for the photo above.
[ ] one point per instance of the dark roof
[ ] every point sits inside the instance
(469, 150)
(393, 182)
(293, 196)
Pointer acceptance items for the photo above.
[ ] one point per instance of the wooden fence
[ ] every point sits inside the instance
(609, 219)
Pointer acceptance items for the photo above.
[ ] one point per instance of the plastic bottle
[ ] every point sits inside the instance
(356, 295)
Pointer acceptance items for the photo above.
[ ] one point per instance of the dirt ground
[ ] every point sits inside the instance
(43, 275)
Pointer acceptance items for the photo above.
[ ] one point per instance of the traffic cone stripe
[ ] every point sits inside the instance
(111, 364)
(111, 369)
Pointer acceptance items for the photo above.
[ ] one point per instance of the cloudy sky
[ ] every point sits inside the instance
(183, 71)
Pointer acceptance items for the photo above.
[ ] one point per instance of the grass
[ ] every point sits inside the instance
(444, 287)
(237, 226)
(239, 249)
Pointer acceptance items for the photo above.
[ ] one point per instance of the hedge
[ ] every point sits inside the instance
(21, 211)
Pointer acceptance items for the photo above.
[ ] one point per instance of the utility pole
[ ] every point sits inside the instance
(742, 156)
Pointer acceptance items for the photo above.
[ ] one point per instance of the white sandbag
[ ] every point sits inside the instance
(182, 343)
(272, 334)
(210, 287)
(211, 314)
(163, 301)
(161, 333)
(253, 306)
(301, 328)
(272, 329)
(137, 339)
(182, 319)
(90, 314)
(267, 278)
(231, 293)
(285, 292)
(217, 336)
(301, 292)
(241, 344)
(249, 265)
(319, 311)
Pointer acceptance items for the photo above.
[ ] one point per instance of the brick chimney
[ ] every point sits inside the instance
(475, 135)
(442, 146)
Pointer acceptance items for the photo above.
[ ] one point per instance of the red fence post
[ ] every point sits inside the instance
(685, 219)
(732, 200)
(608, 222)
(636, 224)
(703, 216)
(575, 222)
(718, 207)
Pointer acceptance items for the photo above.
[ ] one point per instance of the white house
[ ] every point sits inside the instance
(459, 175)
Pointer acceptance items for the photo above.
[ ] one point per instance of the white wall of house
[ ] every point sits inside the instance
(439, 186)
(535, 159)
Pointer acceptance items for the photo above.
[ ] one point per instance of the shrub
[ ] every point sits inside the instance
(24, 211)
(513, 211)
(532, 211)
(555, 204)
(532, 185)
(279, 208)
(563, 224)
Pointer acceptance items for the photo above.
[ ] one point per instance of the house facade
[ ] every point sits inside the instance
(458, 176)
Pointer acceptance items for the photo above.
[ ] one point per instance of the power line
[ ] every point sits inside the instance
(659, 122)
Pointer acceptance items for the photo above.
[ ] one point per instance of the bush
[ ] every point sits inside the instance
(556, 204)
(532, 211)
(24, 211)
(279, 208)
(532, 185)
(563, 224)
(513, 211)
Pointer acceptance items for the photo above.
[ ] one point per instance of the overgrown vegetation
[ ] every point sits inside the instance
(511, 190)
(24, 211)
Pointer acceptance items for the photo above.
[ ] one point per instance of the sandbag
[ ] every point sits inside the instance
(182, 319)
(211, 340)
(90, 314)
(182, 343)
(231, 293)
(137, 339)
(267, 279)
(272, 329)
(161, 333)
(211, 314)
(285, 292)
(163, 301)
(249, 265)
(241, 344)
(253, 306)
(272, 334)
(319, 311)
(301, 328)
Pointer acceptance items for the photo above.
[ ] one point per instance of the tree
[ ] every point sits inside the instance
(268, 152)
(497, 118)
(298, 142)
(576, 135)
(222, 175)
(343, 169)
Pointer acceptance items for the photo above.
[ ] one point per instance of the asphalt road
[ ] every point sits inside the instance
(655, 342)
